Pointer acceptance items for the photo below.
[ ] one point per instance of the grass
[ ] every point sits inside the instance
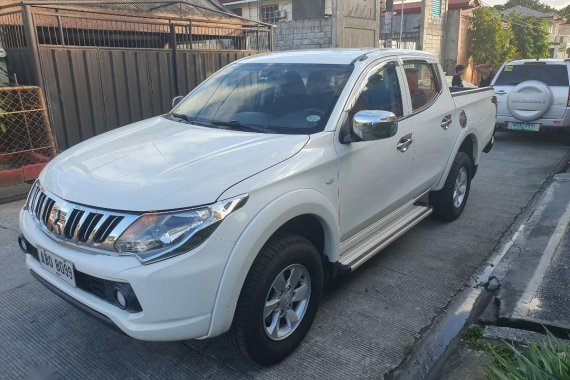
(471, 336)
(542, 361)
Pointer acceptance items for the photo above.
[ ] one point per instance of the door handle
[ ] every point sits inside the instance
(500, 92)
(404, 143)
(446, 122)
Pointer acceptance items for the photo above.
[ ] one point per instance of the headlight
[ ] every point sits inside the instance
(157, 236)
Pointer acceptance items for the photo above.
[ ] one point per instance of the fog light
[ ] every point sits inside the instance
(23, 244)
(120, 298)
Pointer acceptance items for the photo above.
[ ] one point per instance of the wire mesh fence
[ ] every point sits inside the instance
(26, 140)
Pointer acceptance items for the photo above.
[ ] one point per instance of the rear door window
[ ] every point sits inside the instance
(422, 82)
(551, 75)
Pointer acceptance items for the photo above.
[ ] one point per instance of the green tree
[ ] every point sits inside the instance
(530, 37)
(490, 37)
(565, 12)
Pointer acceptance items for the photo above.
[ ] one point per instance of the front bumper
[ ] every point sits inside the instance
(176, 295)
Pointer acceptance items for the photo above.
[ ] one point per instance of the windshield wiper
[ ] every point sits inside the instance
(190, 119)
(234, 124)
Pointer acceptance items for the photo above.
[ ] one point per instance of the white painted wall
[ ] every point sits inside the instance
(251, 9)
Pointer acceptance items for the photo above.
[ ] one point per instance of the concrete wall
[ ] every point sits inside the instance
(354, 24)
(450, 57)
(432, 35)
(303, 34)
(410, 31)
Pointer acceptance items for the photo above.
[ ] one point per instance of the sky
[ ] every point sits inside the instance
(553, 3)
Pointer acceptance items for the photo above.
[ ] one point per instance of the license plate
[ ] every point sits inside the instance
(56, 265)
(529, 127)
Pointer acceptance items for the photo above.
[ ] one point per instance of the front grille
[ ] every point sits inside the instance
(76, 224)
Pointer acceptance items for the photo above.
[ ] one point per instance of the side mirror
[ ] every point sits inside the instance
(374, 125)
(176, 100)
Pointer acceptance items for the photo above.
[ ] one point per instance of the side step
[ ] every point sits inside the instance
(356, 250)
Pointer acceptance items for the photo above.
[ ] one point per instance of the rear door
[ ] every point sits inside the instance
(553, 74)
(432, 115)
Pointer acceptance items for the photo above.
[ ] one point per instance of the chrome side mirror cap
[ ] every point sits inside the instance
(374, 125)
(176, 100)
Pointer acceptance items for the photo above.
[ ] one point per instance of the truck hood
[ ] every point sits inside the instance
(159, 164)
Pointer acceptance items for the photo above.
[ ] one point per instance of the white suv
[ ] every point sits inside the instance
(533, 95)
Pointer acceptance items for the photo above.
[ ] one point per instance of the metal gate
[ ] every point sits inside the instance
(102, 68)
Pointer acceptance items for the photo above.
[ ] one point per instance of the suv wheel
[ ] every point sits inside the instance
(279, 300)
(449, 202)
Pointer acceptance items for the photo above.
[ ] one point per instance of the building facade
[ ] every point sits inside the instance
(563, 42)
(440, 27)
(310, 24)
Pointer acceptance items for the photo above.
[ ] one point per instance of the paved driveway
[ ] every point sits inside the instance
(365, 325)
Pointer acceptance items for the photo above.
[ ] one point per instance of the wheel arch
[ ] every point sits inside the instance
(306, 212)
(469, 145)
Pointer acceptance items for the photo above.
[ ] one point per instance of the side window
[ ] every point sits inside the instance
(382, 92)
(422, 82)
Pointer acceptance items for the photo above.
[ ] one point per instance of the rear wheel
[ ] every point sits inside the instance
(279, 300)
(449, 202)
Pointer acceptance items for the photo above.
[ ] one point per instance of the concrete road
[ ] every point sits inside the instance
(366, 323)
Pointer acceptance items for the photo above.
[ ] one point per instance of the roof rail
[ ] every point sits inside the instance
(364, 56)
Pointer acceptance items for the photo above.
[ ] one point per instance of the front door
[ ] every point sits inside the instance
(374, 175)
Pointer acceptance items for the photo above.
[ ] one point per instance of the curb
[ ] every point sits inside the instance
(14, 193)
(432, 350)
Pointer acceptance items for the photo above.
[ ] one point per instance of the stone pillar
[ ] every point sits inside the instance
(432, 29)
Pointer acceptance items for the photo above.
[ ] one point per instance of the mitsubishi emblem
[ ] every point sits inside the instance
(56, 221)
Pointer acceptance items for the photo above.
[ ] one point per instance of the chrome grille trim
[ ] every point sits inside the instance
(76, 225)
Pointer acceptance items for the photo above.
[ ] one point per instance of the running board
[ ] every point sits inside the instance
(358, 249)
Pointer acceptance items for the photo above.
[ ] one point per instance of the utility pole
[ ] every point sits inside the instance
(388, 15)
(401, 24)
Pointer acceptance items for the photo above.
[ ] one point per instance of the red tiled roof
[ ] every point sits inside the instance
(416, 7)
(463, 4)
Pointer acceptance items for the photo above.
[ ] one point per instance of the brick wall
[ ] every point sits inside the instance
(434, 28)
(303, 34)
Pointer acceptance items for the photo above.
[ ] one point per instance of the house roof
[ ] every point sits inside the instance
(463, 4)
(181, 8)
(524, 11)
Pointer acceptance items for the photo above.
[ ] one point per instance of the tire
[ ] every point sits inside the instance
(250, 331)
(566, 137)
(445, 206)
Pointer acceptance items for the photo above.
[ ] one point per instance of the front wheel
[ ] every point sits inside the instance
(449, 202)
(279, 300)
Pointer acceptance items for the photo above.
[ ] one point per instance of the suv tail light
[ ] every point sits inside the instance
(568, 104)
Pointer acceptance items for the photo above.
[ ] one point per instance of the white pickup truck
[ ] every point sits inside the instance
(228, 214)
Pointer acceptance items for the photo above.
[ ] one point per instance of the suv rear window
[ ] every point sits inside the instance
(551, 75)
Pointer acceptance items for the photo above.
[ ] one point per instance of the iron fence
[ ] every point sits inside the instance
(26, 140)
(89, 28)
(104, 65)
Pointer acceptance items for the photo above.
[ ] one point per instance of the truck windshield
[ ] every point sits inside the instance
(551, 75)
(266, 97)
